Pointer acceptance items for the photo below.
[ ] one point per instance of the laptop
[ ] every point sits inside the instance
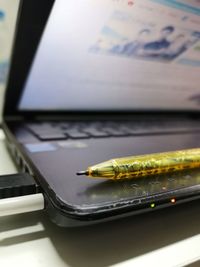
(94, 80)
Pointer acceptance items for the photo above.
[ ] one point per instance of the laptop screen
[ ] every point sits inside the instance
(117, 55)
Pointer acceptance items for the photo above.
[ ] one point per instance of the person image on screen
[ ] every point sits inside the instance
(157, 47)
(178, 46)
(131, 47)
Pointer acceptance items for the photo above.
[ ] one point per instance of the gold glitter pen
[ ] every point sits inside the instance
(145, 165)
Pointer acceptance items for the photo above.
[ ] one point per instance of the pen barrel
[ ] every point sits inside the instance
(147, 165)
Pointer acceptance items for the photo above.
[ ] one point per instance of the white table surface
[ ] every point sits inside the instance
(169, 237)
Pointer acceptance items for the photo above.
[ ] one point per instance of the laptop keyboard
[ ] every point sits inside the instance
(83, 130)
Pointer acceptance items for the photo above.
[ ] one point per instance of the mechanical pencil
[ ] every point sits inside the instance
(145, 165)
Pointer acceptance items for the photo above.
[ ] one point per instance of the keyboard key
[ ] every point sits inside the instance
(76, 134)
(51, 136)
(115, 132)
(95, 132)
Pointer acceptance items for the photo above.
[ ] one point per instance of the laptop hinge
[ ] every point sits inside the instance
(13, 118)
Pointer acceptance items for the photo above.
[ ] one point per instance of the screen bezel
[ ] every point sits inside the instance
(29, 29)
(32, 17)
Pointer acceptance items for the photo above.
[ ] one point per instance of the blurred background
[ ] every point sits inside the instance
(8, 13)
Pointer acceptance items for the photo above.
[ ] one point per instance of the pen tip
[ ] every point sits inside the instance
(82, 173)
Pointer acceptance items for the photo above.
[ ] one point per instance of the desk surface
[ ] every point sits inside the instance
(169, 237)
